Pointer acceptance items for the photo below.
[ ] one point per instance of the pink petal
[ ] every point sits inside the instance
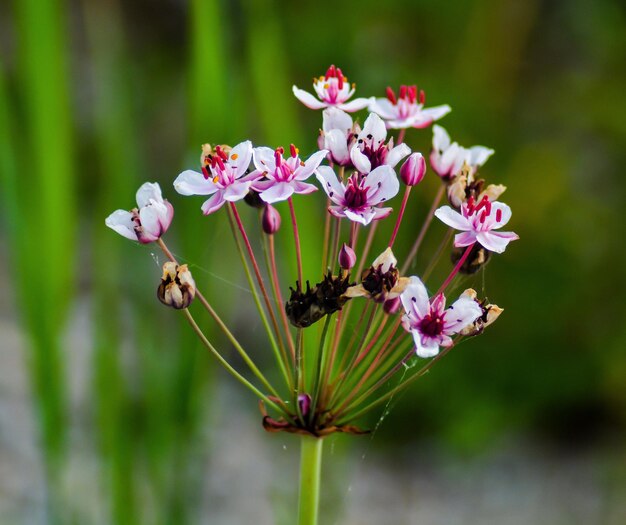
(214, 203)
(193, 183)
(337, 211)
(150, 223)
(303, 188)
(426, 116)
(453, 218)
(381, 213)
(307, 99)
(464, 239)
(495, 241)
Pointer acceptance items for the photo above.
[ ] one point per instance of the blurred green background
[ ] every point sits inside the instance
(98, 96)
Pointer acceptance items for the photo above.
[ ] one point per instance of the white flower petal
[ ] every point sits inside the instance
(453, 218)
(240, 157)
(334, 118)
(504, 209)
(397, 154)
(193, 183)
(279, 191)
(236, 191)
(441, 139)
(336, 142)
(428, 115)
(150, 224)
(264, 159)
(496, 241)
(310, 165)
(478, 155)
(363, 217)
(147, 192)
(415, 299)
(384, 108)
(121, 222)
(354, 105)
(360, 161)
(375, 127)
(303, 188)
(214, 203)
(307, 99)
(382, 184)
(461, 313)
(461, 240)
(330, 184)
(425, 346)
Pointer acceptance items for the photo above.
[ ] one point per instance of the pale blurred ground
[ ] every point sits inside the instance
(250, 477)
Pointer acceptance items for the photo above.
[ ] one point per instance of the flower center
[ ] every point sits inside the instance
(356, 195)
(431, 325)
(407, 100)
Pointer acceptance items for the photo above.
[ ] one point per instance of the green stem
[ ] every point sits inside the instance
(310, 469)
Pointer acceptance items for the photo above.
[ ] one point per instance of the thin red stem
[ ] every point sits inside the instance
(456, 269)
(296, 238)
(400, 215)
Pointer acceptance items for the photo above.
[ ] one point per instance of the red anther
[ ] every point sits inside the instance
(220, 162)
(330, 72)
(293, 150)
(278, 156)
(340, 78)
(391, 96)
(402, 91)
(498, 215)
(483, 216)
(205, 172)
(221, 152)
(412, 94)
(422, 96)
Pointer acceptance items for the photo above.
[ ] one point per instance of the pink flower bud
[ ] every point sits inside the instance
(271, 219)
(304, 403)
(347, 257)
(391, 306)
(413, 170)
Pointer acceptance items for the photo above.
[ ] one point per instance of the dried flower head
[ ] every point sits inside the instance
(177, 288)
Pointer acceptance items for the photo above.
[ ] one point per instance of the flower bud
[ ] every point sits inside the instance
(391, 306)
(347, 257)
(177, 288)
(271, 220)
(413, 170)
(304, 403)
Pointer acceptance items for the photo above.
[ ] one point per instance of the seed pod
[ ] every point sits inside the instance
(391, 306)
(177, 288)
(490, 313)
(477, 258)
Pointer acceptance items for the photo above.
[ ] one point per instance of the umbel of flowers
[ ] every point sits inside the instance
(369, 315)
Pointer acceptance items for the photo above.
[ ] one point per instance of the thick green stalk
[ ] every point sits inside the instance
(310, 474)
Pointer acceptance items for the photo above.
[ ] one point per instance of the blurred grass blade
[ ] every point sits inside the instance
(47, 210)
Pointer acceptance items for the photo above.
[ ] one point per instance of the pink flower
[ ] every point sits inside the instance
(332, 89)
(284, 177)
(370, 151)
(224, 177)
(148, 221)
(430, 323)
(406, 111)
(477, 221)
(358, 199)
(447, 157)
